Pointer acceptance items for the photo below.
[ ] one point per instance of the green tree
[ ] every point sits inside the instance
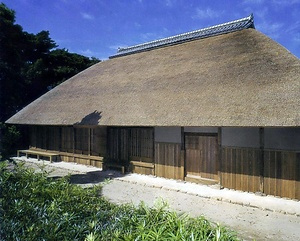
(52, 69)
(11, 62)
(30, 65)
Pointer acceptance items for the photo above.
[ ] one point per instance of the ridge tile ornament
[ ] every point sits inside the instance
(228, 27)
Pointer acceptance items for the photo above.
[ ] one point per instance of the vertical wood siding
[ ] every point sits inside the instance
(82, 141)
(113, 143)
(141, 143)
(240, 168)
(273, 172)
(282, 173)
(98, 141)
(169, 161)
(69, 141)
(131, 144)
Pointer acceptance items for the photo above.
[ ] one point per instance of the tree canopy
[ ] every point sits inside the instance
(31, 64)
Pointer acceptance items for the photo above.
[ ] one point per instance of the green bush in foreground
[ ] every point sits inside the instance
(34, 207)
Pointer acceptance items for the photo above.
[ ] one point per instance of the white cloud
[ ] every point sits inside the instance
(169, 3)
(262, 13)
(294, 29)
(137, 25)
(117, 46)
(296, 38)
(206, 13)
(253, 1)
(270, 29)
(87, 16)
(285, 2)
(88, 53)
(146, 37)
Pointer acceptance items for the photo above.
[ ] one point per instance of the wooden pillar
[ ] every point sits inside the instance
(220, 154)
(74, 138)
(262, 158)
(182, 138)
(60, 138)
(46, 137)
(182, 154)
(89, 140)
(153, 147)
(119, 140)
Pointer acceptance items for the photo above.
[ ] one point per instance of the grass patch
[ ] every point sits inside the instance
(35, 207)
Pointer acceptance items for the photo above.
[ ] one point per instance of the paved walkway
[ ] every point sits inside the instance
(255, 217)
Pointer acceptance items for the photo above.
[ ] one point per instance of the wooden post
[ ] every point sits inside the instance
(60, 138)
(262, 158)
(119, 140)
(74, 139)
(155, 157)
(89, 141)
(182, 154)
(220, 154)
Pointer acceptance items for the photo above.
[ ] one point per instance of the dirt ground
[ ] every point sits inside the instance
(249, 222)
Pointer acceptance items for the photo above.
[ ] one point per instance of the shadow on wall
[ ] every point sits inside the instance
(90, 119)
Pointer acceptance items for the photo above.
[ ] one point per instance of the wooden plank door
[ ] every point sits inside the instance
(201, 156)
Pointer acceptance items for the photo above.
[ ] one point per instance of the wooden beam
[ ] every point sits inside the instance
(74, 139)
(142, 164)
(89, 141)
(182, 138)
(219, 154)
(262, 158)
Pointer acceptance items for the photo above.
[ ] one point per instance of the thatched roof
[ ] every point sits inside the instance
(241, 78)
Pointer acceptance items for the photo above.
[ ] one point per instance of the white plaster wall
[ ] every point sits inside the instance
(167, 134)
(201, 129)
(282, 138)
(240, 137)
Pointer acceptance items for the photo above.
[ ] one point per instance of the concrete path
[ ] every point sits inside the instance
(252, 216)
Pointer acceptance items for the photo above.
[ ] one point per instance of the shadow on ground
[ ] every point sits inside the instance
(77, 176)
(93, 177)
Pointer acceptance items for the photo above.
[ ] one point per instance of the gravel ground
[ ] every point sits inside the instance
(251, 221)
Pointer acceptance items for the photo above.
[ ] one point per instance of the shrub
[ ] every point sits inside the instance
(9, 140)
(35, 207)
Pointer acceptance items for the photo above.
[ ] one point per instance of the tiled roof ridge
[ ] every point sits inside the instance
(243, 23)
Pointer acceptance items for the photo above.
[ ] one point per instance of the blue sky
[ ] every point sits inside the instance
(98, 27)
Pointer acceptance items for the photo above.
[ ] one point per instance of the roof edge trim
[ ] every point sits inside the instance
(243, 23)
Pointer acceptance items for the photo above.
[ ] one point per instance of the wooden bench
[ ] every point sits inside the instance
(114, 165)
(38, 154)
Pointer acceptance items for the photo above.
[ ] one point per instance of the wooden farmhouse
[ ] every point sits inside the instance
(219, 105)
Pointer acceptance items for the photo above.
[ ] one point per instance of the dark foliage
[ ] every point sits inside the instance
(10, 142)
(30, 65)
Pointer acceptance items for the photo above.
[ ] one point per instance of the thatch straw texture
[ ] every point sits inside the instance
(237, 79)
